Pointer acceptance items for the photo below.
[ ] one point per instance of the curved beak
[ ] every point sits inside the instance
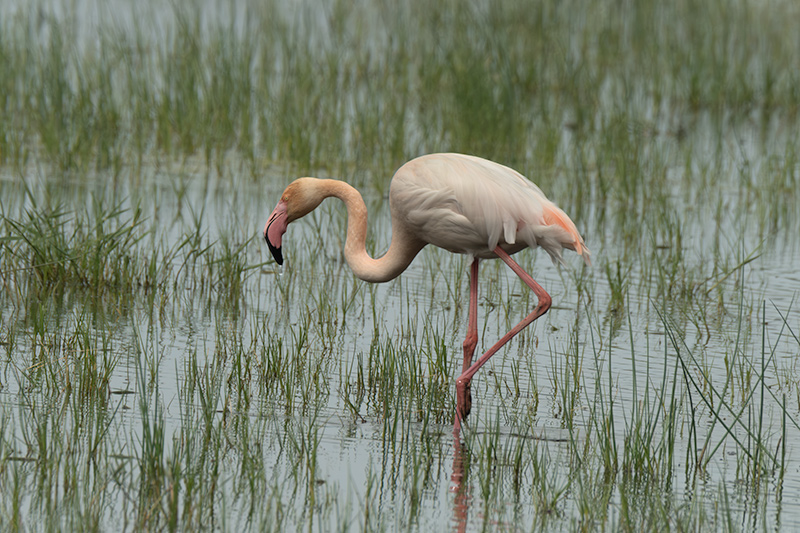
(274, 230)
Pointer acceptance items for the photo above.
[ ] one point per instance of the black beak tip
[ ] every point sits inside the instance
(276, 253)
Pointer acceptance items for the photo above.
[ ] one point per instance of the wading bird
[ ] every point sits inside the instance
(461, 203)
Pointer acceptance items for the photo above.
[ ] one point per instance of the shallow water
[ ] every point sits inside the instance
(275, 368)
(354, 462)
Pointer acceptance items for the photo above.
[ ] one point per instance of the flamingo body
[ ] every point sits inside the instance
(470, 205)
(458, 202)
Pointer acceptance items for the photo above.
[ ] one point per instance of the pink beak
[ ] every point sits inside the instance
(274, 230)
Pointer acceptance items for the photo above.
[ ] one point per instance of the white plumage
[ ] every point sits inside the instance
(469, 205)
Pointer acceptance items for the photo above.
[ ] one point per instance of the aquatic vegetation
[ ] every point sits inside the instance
(158, 372)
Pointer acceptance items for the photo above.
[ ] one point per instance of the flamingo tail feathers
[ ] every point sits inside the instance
(553, 216)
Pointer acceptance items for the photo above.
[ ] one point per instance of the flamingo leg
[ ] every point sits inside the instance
(472, 320)
(464, 380)
(464, 396)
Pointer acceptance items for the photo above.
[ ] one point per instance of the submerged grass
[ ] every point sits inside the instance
(157, 374)
(505, 80)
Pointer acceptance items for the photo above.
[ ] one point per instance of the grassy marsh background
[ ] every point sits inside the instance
(158, 373)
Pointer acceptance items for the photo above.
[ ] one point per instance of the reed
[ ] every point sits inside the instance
(158, 372)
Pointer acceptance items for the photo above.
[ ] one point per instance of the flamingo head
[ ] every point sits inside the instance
(299, 199)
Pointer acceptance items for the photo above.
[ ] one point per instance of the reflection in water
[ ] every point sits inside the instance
(461, 491)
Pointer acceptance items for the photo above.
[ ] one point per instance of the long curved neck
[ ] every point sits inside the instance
(402, 250)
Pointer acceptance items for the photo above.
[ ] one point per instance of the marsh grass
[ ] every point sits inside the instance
(305, 90)
(157, 373)
(53, 249)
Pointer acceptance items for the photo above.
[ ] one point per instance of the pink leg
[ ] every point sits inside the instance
(472, 319)
(463, 394)
(463, 381)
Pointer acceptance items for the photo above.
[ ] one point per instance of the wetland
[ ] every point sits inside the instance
(158, 371)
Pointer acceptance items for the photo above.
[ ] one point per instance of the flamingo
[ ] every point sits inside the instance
(462, 203)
